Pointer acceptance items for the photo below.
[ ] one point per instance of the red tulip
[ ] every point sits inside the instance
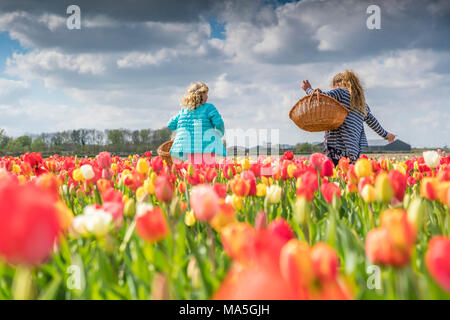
(220, 189)
(437, 259)
(249, 176)
(316, 159)
(329, 190)
(327, 168)
(104, 160)
(211, 174)
(398, 182)
(281, 228)
(163, 188)
(152, 225)
(29, 224)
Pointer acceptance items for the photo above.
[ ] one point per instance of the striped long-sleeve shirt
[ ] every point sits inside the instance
(350, 137)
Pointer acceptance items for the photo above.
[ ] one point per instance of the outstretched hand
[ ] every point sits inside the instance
(306, 85)
(390, 137)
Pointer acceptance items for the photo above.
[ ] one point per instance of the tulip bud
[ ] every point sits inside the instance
(129, 208)
(190, 169)
(301, 210)
(416, 212)
(383, 188)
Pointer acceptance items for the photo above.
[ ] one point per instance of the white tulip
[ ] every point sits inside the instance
(431, 158)
(78, 226)
(93, 221)
(273, 193)
(87, 171)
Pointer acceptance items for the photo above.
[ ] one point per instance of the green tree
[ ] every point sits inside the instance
(38, 145)
(116, 137)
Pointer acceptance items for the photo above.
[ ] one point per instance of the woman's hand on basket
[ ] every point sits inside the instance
(306, 85)
(390, 137)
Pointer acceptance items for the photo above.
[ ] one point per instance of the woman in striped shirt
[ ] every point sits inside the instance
(349, 139)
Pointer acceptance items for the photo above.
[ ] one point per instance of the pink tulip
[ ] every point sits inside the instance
(204, 202)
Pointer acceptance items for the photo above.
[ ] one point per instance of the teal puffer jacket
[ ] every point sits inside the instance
(197, 131)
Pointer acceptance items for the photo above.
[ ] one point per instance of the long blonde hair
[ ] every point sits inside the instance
(349, 80)
(193, 97)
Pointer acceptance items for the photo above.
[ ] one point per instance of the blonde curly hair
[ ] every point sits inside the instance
(349, 80)
(193, 97)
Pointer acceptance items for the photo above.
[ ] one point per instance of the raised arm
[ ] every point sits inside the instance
(373, 123)
(216, 119)
(173, 122)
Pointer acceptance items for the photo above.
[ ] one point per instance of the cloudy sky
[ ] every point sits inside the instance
(132, 60)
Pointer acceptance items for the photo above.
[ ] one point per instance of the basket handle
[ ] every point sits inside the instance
(317, 92)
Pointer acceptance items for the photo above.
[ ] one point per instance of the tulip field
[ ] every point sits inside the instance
(266, 228)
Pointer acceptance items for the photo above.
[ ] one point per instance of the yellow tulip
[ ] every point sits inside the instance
(246, 164)
(114, 167)
(16, 169)
(261, 189)
(236, 201)
(142, 166)
(290, 170)
(149, 186)
(189, 218)
(363, 168)
(383, 188)
(141, 192)
(368, 193)
(77, 175)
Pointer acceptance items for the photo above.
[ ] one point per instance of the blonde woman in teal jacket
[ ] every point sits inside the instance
(199, 128)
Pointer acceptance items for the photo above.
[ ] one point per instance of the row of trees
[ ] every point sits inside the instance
(85, 141)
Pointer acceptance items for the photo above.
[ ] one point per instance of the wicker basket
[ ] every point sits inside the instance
(318, 112)
(164, 152)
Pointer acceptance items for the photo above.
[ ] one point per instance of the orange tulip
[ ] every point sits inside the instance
(297, 266)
